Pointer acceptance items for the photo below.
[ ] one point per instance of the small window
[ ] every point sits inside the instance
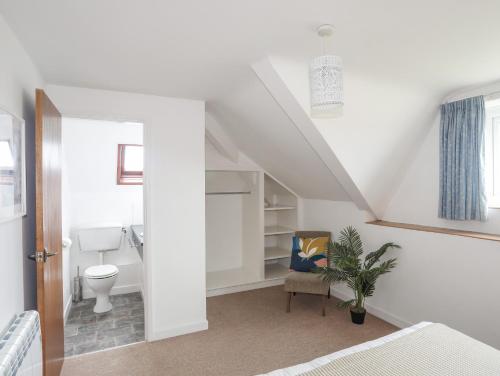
(130, 164)
(492, 152)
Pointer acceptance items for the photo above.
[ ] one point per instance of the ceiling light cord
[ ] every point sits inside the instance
(323, 45)
(325, 32)
(326, 82)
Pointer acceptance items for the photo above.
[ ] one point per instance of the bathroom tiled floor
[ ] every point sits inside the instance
(86, 331)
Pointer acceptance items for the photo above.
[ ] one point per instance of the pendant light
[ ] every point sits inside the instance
(325, 75)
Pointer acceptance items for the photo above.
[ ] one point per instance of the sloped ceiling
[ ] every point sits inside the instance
(263, 131)
(372, 142)
(401, 58)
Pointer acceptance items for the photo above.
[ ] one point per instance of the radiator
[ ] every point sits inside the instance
(21, 346)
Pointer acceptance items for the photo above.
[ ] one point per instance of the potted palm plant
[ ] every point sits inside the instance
(346, 265)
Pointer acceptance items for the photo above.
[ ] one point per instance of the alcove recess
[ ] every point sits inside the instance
(233, 228)
(250, 220)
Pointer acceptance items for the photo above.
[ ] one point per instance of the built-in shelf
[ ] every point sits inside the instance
(279, 207)
(277, 230)
(280, 219)
(275, 271)
(439, 230)
(274, 253)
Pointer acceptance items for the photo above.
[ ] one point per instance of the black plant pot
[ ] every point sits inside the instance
(358, 317)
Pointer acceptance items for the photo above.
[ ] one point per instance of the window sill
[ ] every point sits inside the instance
(438, 230)
(129, 182)
(493, 202)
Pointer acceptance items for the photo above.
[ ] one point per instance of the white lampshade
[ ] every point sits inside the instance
(327, 94)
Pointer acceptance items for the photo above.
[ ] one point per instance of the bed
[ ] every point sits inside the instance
(425, 349)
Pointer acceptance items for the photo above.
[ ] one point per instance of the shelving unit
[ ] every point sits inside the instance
(275, 271)
(280, 223)
(277, 230)
(275, 253)
(273, 208)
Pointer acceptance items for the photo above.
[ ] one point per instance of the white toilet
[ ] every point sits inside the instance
(101, 278)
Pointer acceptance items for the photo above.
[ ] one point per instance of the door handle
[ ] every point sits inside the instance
(41, 256)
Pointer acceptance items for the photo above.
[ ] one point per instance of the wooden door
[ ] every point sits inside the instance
(49, 232)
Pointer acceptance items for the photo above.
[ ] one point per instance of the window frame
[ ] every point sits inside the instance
(124, 177)
(7, 175)
(492, 153)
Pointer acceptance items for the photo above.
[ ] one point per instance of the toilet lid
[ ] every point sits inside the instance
(101, 271)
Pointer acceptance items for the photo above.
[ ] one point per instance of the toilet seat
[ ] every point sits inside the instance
(101, 271)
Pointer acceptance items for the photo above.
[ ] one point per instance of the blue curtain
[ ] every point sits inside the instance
(462, 193)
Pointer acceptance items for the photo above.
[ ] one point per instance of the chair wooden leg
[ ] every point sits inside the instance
(323, 298)
(329, 294)
(289, 299)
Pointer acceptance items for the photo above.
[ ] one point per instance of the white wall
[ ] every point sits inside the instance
(18, 80)
(174, 253)
(92, 195)
(224, 229)
(439, 278)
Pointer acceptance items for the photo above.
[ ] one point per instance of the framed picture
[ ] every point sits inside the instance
(12, 167)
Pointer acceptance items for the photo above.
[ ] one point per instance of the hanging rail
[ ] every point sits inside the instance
(229, 193)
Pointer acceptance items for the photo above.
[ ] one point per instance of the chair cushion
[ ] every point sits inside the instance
(308, 253)
(308, 283)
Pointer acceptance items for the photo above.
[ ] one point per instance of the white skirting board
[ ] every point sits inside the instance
(179, 330)
(375, 311)
(244, 287)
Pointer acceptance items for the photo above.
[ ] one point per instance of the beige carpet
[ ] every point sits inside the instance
(249, 333)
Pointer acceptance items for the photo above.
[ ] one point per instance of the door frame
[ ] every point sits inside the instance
(146, 261)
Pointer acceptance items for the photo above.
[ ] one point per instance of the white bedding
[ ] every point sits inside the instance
(318, 362)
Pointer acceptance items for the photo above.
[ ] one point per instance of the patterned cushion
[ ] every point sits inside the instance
(308, 253)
